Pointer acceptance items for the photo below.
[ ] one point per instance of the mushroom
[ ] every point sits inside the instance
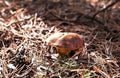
(67, 43)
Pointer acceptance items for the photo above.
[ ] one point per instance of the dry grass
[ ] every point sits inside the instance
(24, 52)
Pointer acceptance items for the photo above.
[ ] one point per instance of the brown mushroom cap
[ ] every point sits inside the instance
(66, 42)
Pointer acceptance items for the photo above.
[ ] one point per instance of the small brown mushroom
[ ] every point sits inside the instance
(65, 43)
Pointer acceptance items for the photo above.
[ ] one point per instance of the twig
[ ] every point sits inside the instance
(96, 69)
(77, 18)
(108, 6)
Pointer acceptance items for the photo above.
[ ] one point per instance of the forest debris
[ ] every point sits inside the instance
(101, 72)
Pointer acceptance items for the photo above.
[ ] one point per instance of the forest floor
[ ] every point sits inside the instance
(25, 24)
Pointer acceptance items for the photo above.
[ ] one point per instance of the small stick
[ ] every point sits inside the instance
(96, 69)
(108, 6)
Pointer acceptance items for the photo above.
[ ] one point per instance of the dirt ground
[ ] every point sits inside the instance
(25, 24)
